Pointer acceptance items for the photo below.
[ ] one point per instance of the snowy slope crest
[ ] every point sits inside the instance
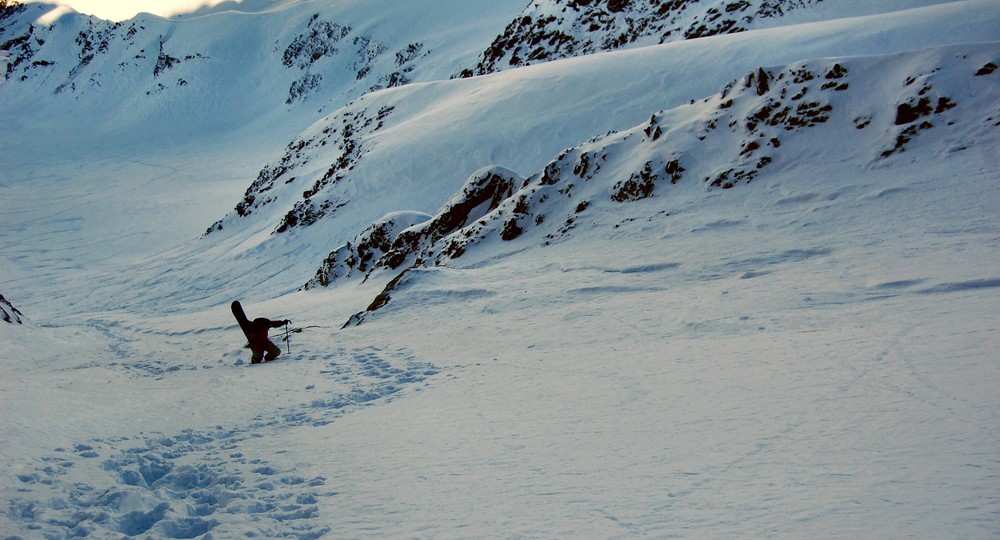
(82, 55)
(553, 29)
(863, 112)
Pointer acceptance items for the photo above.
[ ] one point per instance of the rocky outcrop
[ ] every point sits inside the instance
(367, 251)
(315, 54)
(323, 39)
(337, 147)
(553, 29)
(408, 238)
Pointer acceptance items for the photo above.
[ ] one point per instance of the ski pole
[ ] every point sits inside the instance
(288, 342)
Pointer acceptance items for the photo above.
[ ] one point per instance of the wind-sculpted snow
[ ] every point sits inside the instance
(336, 148)
(413, 147)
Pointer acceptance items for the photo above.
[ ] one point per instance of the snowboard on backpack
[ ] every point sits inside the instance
(256, 329)
(241, 318)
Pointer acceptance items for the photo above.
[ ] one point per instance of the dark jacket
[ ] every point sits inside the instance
(259, 328)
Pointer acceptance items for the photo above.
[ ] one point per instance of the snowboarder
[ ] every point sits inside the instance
(256, 333)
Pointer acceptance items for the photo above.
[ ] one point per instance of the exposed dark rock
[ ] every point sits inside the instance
(987, 69)
(567, 28)
(10, 7)
(9, 313)
(639, 186)
(511, 230)
(366, 251)
(318, 41)
(299, 89)
(406, 237)
(380, 301)
(911, 112)
(164, 61)
(482, 194)
(762, 84)
(913, 115)
(341, 141)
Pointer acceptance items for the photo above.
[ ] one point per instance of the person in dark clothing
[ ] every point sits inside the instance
(260, 343)
(256, 333)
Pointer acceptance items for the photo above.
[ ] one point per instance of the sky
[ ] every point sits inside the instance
(120, 10)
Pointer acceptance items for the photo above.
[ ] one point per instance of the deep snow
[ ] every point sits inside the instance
(811, 353)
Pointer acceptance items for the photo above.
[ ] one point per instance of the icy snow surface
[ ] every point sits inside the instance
(790, 332)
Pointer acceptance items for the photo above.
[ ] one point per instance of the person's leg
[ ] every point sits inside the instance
(272, 351)
(257, 356)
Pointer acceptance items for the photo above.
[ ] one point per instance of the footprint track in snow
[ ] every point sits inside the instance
(201, 482)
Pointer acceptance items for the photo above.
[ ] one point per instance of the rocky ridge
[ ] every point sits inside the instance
(334, 149)
(553, 29)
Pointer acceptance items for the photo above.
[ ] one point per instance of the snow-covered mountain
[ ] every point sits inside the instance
(355, 166)
(260, 63)
(556, 269)
(797, 117)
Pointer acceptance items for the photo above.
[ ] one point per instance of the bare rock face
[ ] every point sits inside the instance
(367, 251)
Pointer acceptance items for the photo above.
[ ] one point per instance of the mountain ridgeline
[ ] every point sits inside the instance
(323, 55)
(550, 29)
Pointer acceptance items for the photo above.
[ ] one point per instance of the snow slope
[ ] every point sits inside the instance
(518, 120)
(612, 296)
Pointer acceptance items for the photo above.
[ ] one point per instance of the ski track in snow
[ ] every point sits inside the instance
(188, 484)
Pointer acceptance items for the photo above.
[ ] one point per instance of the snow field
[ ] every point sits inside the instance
(811, 353)
(743, 395)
